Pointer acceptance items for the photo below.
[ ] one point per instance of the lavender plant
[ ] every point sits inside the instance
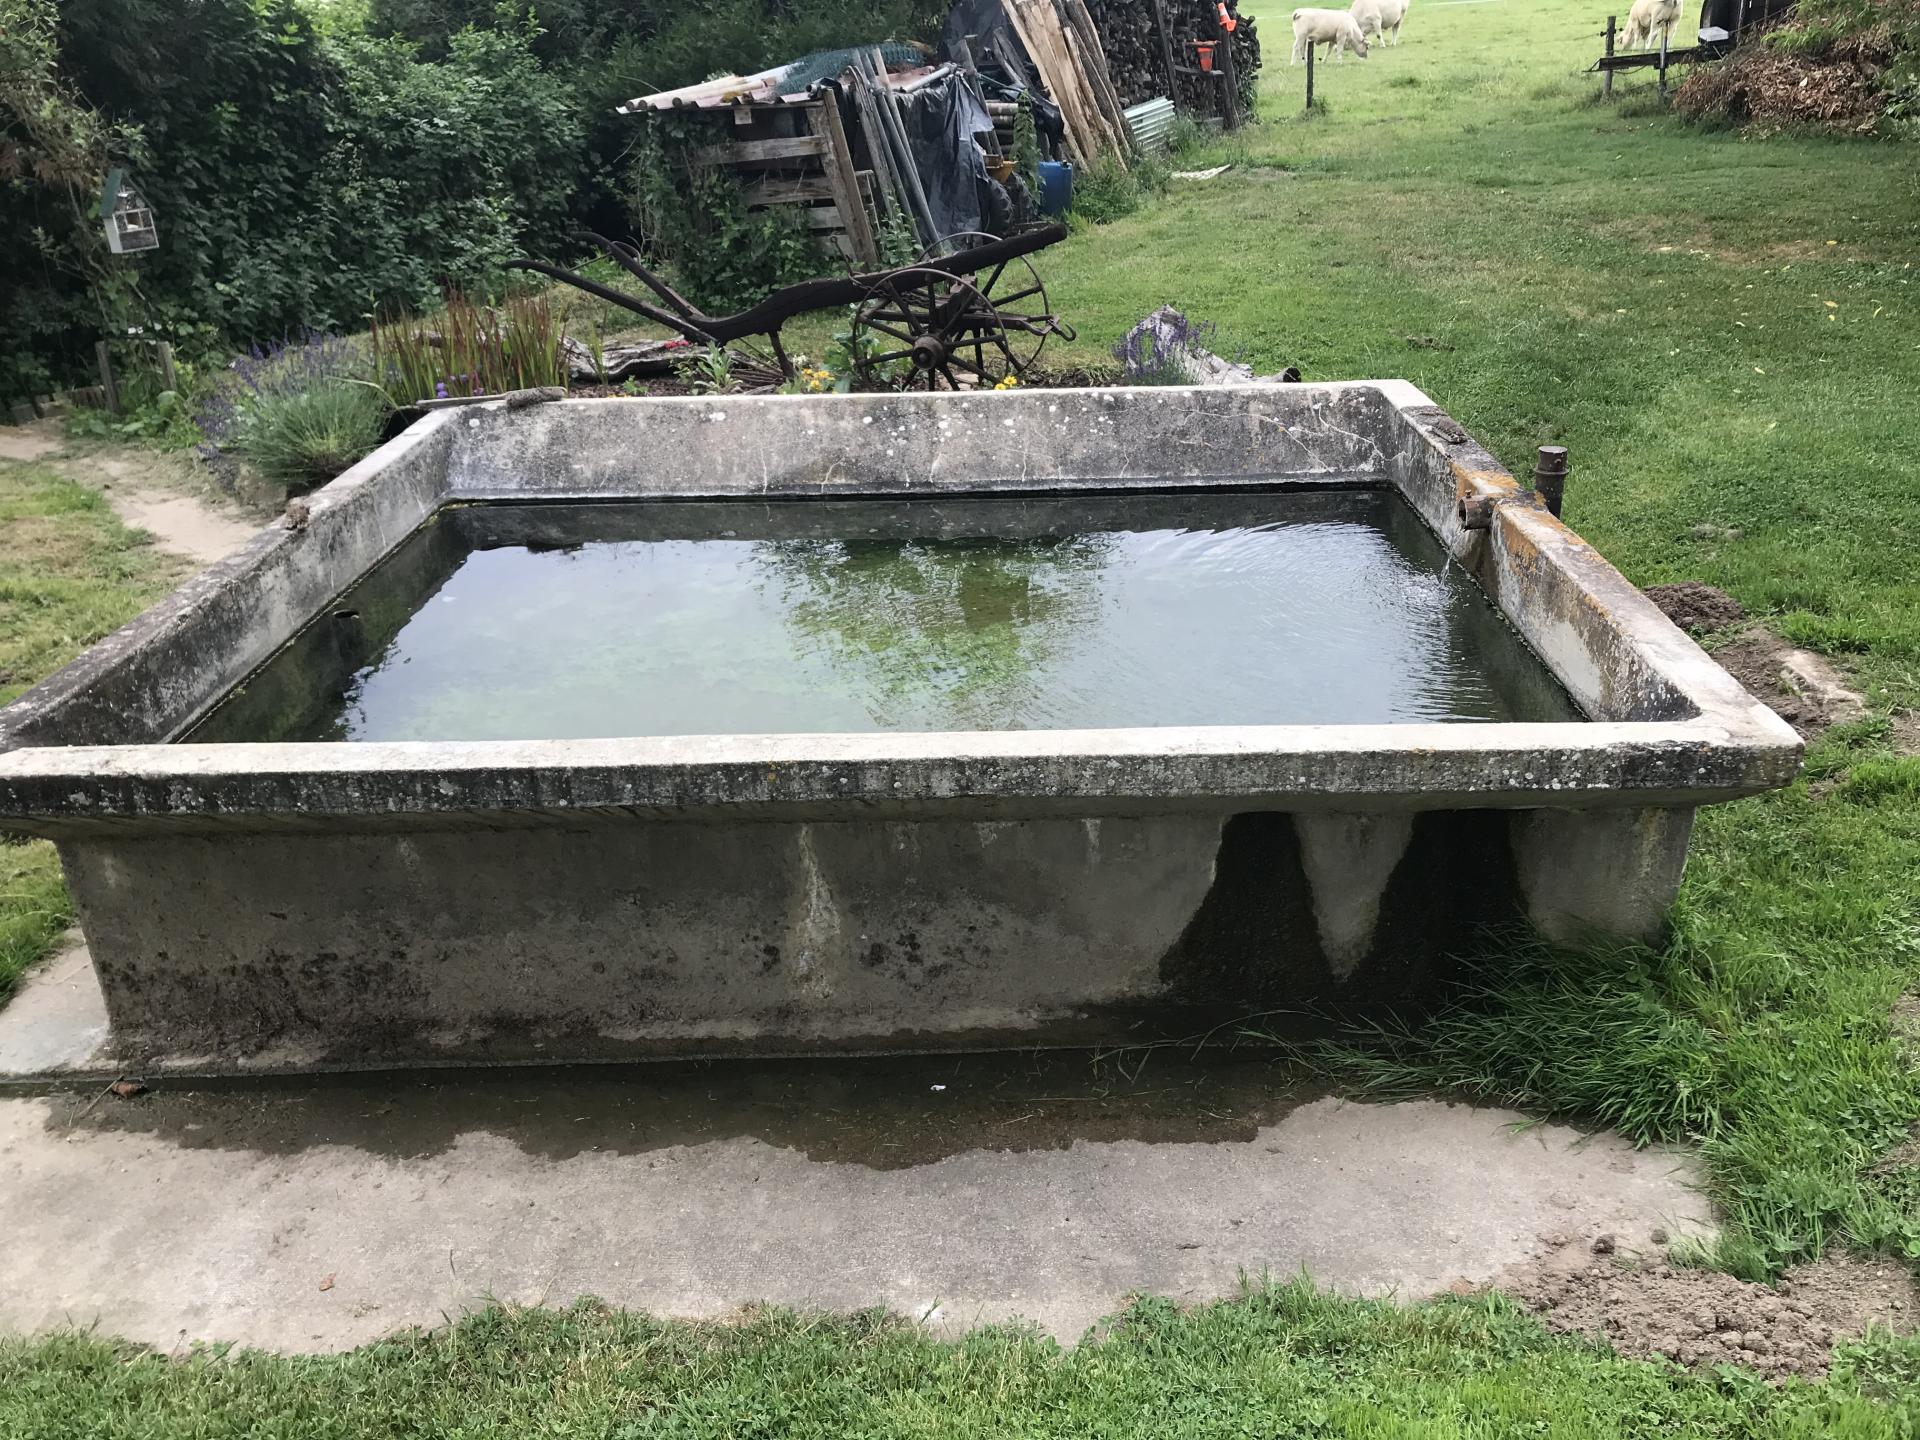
(300, 410)
(266, 374)
(1163, 352)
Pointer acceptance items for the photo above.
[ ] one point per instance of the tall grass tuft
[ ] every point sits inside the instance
(1598, 1033)
(470, 349)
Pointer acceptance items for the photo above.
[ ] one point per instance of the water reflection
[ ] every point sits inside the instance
(963, 628)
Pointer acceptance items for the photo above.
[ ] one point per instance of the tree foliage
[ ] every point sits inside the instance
(302, 174)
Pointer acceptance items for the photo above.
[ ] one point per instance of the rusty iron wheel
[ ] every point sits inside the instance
(927, 329)
(1016, 292)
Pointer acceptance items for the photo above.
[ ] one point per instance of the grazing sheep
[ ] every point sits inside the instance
(1648, 20)
(1336, 28)
(1380, 18)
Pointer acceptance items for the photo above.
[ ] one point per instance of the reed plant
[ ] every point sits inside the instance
(469, 349)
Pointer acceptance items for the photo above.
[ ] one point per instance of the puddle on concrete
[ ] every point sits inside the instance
(882, 1113)
(671, 617)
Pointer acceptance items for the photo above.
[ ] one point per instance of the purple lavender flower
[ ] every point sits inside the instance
(280, 368)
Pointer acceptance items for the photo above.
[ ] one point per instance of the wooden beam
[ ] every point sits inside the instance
(1232, 72)
(838, 164)
(1166, 49)
(896, 202)
(1075, 134)
(749, 152)
(775, 191)
(1100, 73)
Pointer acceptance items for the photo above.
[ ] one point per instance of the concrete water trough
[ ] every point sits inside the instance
(289, 850)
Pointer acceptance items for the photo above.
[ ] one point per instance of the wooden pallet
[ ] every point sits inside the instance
(797, 155)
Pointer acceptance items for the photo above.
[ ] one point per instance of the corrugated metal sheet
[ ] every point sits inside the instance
(786, 84)
(1150, 121)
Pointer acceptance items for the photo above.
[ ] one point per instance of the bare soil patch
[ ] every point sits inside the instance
(1704, 1318)
(1698, 608)
(29, 442)
(166, 496)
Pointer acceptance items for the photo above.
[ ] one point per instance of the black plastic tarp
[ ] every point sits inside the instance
(941, 120)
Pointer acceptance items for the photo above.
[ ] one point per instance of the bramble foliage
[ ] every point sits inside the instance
(696, 217)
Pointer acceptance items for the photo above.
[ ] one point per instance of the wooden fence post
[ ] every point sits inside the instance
(1232, 73)
(1606, 82)
(106, 377)
(1663, 64)
(168, 380)
(1309, 77)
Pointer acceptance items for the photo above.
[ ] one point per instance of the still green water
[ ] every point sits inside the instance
(681, 618)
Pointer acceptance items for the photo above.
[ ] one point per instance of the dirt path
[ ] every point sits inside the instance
(164, 495)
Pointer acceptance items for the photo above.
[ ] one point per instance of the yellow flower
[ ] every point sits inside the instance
(1007, 382)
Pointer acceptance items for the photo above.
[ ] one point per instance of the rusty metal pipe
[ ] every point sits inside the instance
(1550, 477)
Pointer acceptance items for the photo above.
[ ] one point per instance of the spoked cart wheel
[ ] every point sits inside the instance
(1016, 292)
(927, 329)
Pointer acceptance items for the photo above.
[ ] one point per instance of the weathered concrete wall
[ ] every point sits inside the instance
(618, 939)
(150, 680)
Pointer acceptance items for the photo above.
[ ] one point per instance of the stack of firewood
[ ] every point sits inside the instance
(1130, 33)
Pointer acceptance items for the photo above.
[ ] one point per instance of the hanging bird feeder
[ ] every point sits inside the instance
(129, 219)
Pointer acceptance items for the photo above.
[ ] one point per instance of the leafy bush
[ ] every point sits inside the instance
(695, 216)
(305, 438)
(1104, 192)
(300, 410)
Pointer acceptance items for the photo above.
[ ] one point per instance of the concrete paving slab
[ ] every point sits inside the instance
(961, 1190)
(56, 1022)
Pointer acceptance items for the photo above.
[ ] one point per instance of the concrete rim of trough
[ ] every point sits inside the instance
(88, 747)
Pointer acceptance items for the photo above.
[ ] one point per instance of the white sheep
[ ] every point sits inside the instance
(1650, 19)
(1380, 18)
(1336, 28)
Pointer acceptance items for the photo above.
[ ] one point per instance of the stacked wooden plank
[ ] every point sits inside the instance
(1066, 50)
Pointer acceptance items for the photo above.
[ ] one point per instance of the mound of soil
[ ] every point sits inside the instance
(1696, 607)
(1705, 1318)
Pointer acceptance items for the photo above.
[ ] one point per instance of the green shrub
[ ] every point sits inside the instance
(306, 437)
(303, 173)
(695, 216)
(1104, 192)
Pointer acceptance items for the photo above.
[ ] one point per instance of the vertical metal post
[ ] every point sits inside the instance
(106, 377)
(1309, 77)
(1606, 81)
(168, 380)
(1550, 477)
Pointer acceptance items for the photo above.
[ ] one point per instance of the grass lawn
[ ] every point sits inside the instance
(70, 573)
(1281, 1362)
(1727, 336)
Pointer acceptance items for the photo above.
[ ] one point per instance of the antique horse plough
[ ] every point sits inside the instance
(977, 310)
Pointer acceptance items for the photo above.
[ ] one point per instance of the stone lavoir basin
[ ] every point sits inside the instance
(613, 729)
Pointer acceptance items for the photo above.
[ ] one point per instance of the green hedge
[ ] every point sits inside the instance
(300, 178)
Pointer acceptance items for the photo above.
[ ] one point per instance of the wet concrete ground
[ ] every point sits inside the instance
(961, 1189)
